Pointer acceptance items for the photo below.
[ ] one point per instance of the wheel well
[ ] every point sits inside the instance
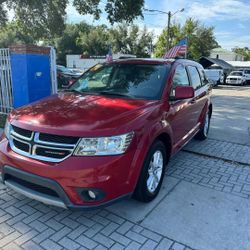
(165, 138)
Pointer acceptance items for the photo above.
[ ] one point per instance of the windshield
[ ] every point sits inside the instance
(144, 81)
(238, 73)
(247, 72)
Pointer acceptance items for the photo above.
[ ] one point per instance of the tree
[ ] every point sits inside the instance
(131, 40)
(46, 19)
(3, 15)
(95, 42)
(243, 51)
(11, 34)
(39, 19)
(67, 43)
(201, 39)
(117, 10)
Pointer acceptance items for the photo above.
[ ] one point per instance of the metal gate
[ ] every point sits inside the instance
(6, 98)
(53, 71)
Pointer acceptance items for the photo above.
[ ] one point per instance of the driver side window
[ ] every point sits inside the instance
(180, 79)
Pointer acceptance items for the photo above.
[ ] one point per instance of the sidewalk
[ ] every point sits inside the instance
(204, 204)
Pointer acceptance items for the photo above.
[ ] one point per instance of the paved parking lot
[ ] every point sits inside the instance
(204, 202)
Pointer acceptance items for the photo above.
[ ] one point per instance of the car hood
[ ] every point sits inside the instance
(235, 77)
(81, 115)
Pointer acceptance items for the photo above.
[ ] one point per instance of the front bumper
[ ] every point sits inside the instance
(56, 198)
(234, 81)
(113, 175)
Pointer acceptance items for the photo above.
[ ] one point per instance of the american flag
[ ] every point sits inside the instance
(109, 57)
(177, 50)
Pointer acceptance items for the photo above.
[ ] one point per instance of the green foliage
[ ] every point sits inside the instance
(126, 10)
(201, 39)
(11, 34)
(243, 51)
(3, 15)
(131, 40)
(41, 19)
(117, 10)
(85, 7)
(45, 19)
(67, 43)
(95, 42)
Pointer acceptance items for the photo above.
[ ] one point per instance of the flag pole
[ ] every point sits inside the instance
(186, 48)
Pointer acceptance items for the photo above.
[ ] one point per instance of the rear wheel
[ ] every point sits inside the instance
(203, 133)
(152, 173)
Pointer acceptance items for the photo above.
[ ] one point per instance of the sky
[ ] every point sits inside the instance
(230, 18)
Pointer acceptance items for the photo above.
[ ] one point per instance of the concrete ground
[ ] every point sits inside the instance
(204, 202)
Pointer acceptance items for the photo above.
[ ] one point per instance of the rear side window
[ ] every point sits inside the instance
(195, 77)
(203, 76)
(180, 77)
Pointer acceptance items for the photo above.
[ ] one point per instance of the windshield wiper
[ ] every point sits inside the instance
(72, 90)
(114, 94)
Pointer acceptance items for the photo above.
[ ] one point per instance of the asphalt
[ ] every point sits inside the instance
(231, 116)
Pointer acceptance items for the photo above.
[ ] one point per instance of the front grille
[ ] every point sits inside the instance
(52, 153)
(41, 146)
(21, 146)
(32, 186)
(22, 132)
(58, 138)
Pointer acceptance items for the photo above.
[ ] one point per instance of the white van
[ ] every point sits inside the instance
(246, 73)
(214, 75)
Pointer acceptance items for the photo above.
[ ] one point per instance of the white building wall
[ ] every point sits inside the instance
(227, 57)
(75, 61)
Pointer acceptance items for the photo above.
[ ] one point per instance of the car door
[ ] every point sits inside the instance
(179, 116)
(199, 83)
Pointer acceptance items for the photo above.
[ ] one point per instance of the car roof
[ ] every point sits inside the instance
(155, 61)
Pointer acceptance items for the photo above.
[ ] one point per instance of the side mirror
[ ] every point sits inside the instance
(184, 92)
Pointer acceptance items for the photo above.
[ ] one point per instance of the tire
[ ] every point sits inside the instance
(204, 130)
(150, 180)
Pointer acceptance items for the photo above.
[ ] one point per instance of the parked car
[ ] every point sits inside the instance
(76, 71)
(65, 76)
(246, 73)
(236, 77)
(109, 136)
(214, 75)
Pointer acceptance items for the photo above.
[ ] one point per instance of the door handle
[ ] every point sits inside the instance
(193, 101)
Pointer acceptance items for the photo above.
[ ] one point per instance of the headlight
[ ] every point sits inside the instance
(7, 129)
(113, 145)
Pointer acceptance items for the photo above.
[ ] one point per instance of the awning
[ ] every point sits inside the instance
(206, 62)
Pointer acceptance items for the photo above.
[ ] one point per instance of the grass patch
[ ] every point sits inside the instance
(2, 120)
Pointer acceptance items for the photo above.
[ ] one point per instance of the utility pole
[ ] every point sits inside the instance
(170, 14)
(168, 31)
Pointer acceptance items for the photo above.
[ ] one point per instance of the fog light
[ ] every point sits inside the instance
(92, 195)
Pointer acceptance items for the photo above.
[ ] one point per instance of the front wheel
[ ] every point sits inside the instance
(152, 173)
(203, 133)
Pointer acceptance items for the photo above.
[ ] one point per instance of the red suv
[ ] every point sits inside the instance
(109, 136)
